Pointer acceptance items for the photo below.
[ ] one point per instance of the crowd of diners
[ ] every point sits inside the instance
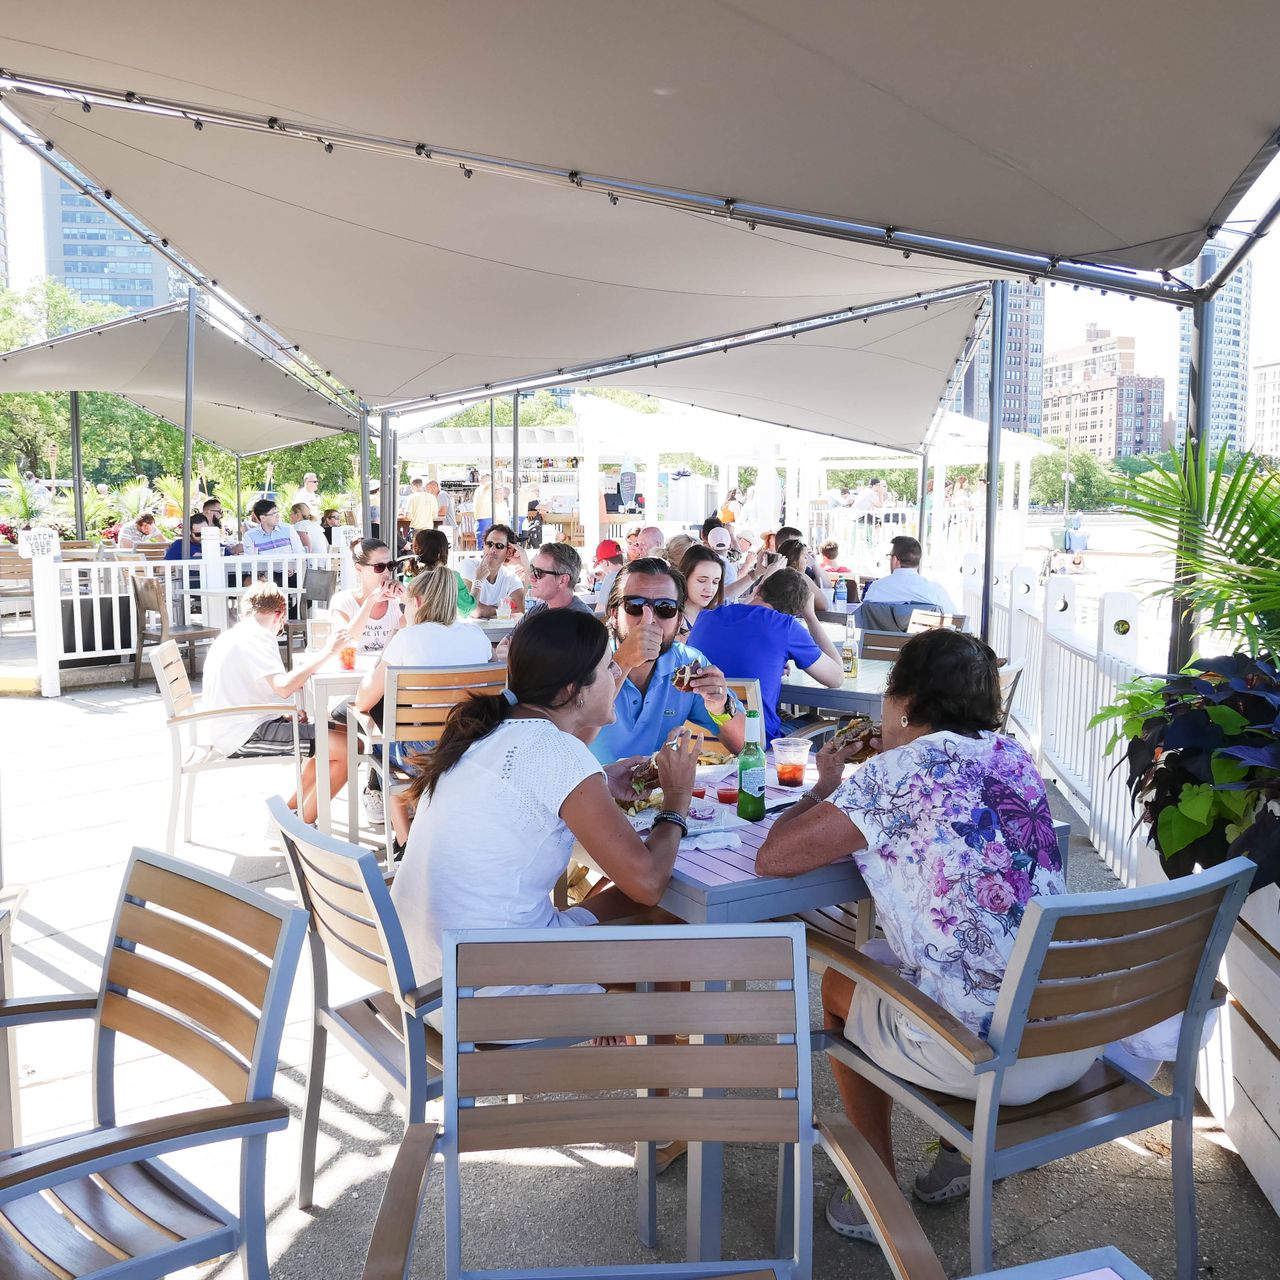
(948, 819)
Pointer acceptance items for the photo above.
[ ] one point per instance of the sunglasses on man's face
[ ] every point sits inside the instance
(664, 607)
(497, 546)
(539, 574)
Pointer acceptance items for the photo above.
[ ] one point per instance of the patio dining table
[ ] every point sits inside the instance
(325, 687)
(861, 693)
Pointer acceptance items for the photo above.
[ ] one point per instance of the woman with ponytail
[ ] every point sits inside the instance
(509, 787)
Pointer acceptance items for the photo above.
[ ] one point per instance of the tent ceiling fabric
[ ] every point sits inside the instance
(879, 382)
(245, 402)
(1108, 132)
(410, 280)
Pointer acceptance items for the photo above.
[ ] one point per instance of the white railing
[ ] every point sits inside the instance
(84, 611)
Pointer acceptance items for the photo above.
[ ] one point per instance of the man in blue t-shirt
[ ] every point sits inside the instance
(755, 641)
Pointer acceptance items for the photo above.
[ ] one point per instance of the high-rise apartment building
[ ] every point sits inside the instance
(95, 255)
(1228, 398)
(1264, 412)
(1100, 354)
(1113, 415)
(1023, 365)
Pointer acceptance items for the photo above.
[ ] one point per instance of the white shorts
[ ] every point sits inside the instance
(888, 1038)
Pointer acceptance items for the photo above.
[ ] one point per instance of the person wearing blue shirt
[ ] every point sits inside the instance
(903, 584)
(643, 612)
(196, 526)
(756, 640)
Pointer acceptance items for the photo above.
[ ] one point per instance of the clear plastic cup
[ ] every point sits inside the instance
(790, 758)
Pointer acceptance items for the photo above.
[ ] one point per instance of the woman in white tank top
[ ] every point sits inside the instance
(373, 612)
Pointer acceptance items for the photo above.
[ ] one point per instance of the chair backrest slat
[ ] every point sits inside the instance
(419, 699)
(1090, 969)
(654, 1013)
(209, 906)
(654, 1066)
(171, 679)
(714, 960)
(882, 645)
(542, 1124)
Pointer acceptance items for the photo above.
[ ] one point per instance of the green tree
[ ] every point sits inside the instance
(1095, 483)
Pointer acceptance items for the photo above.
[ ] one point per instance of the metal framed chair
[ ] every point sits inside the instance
(200, 969)
(880, 615)
(15, 581)
(1086, 970)
(148, 598)
(932, 620)
(881, 646)
(352, 920)
(566, 1092)
(317, 589)
(1010, 677)
(182, 714)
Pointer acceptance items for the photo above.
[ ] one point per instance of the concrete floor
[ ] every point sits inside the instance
(83, 778)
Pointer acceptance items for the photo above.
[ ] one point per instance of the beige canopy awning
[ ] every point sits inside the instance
(245, 402)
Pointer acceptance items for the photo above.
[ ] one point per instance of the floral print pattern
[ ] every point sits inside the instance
(959, 840)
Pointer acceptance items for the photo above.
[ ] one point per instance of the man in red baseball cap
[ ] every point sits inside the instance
(609, 559)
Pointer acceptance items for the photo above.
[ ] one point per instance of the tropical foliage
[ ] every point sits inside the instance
(1203, 762)
(1223, 524)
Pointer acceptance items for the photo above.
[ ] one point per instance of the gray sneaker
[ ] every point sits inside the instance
(374, 809)
(845, 1216)
(948, 1178)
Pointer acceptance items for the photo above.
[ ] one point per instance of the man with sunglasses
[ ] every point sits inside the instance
(553, 574)
(489, 579)
(644, 612)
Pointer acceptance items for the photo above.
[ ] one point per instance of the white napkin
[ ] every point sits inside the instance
(711, 840)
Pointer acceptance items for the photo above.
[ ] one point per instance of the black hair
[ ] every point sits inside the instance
(645, 567)
(263, 505)
(552, 655)
(711, 522)
(430, 547)
(906, 551)
(787, 532)
(361, 548)
(792, 551)
(949, 680)
(506, 530)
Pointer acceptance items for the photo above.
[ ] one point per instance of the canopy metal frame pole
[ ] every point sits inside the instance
(387, 498)
(955, 249)
(493, 459)
(366, 513)
(999, 335)
(77, 463)
(923, 496)
(239, 501)
(1195, 461)
(188, 423)
(515, 463)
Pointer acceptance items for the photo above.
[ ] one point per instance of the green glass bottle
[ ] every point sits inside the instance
(751, 772)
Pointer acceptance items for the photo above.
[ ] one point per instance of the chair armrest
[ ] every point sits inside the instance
(950, 1031)
(391, 1249)
(363, 721)
(281, 709)
(83, 1153)
(426, 996)
(906, 1248)
(22, 1012)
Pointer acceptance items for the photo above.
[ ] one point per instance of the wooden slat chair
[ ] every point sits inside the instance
(748, 693)
(143, 551)
(183, 713)
(1086, 970)
(902, 1240)
(318, 587)
(353, 921)
(466, 531)
(932, 620)
(15, 580)
(415, 706)
(569, 1092)
(883, 646)
(200, 969)
(148, 598)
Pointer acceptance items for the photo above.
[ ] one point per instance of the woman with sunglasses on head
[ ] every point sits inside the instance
(374, 611)
(644, 613)
(490, 577)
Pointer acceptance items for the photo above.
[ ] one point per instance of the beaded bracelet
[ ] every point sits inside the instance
(671, 816)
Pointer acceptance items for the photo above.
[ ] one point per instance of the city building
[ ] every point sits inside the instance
(1113, 415)
(1264, 411)
(1101, 353)
(1023, 365)
(95, 255)
(1228, 398)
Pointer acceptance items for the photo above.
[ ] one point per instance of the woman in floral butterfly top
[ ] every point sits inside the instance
(951, 830)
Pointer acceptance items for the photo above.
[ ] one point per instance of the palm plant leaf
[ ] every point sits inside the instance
(1225, 530)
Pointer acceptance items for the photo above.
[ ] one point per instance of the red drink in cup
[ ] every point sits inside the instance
(790, 758)
(699, 793)
(727, 792)
(791, 775)
(347, 657)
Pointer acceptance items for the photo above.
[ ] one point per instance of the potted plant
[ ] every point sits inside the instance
(1203, 753)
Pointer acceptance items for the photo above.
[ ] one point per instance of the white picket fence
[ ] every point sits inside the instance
(1073, 661)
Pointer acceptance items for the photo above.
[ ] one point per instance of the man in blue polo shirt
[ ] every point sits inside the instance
(756, 640)
(644, 611)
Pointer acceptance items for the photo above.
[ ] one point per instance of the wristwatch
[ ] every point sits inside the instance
(731, 708)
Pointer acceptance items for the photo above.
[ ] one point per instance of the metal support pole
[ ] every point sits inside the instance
(387, 499)
(923, 496)
(188, 425)
(366, 517)
(493, 462)
(239, 501)
(77, 463)
(999, 333)
(515, 462)
(1195, 462)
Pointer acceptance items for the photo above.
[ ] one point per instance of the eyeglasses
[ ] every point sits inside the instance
(497, 546)
(381, 567)
(539, 574)
(664, 607)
